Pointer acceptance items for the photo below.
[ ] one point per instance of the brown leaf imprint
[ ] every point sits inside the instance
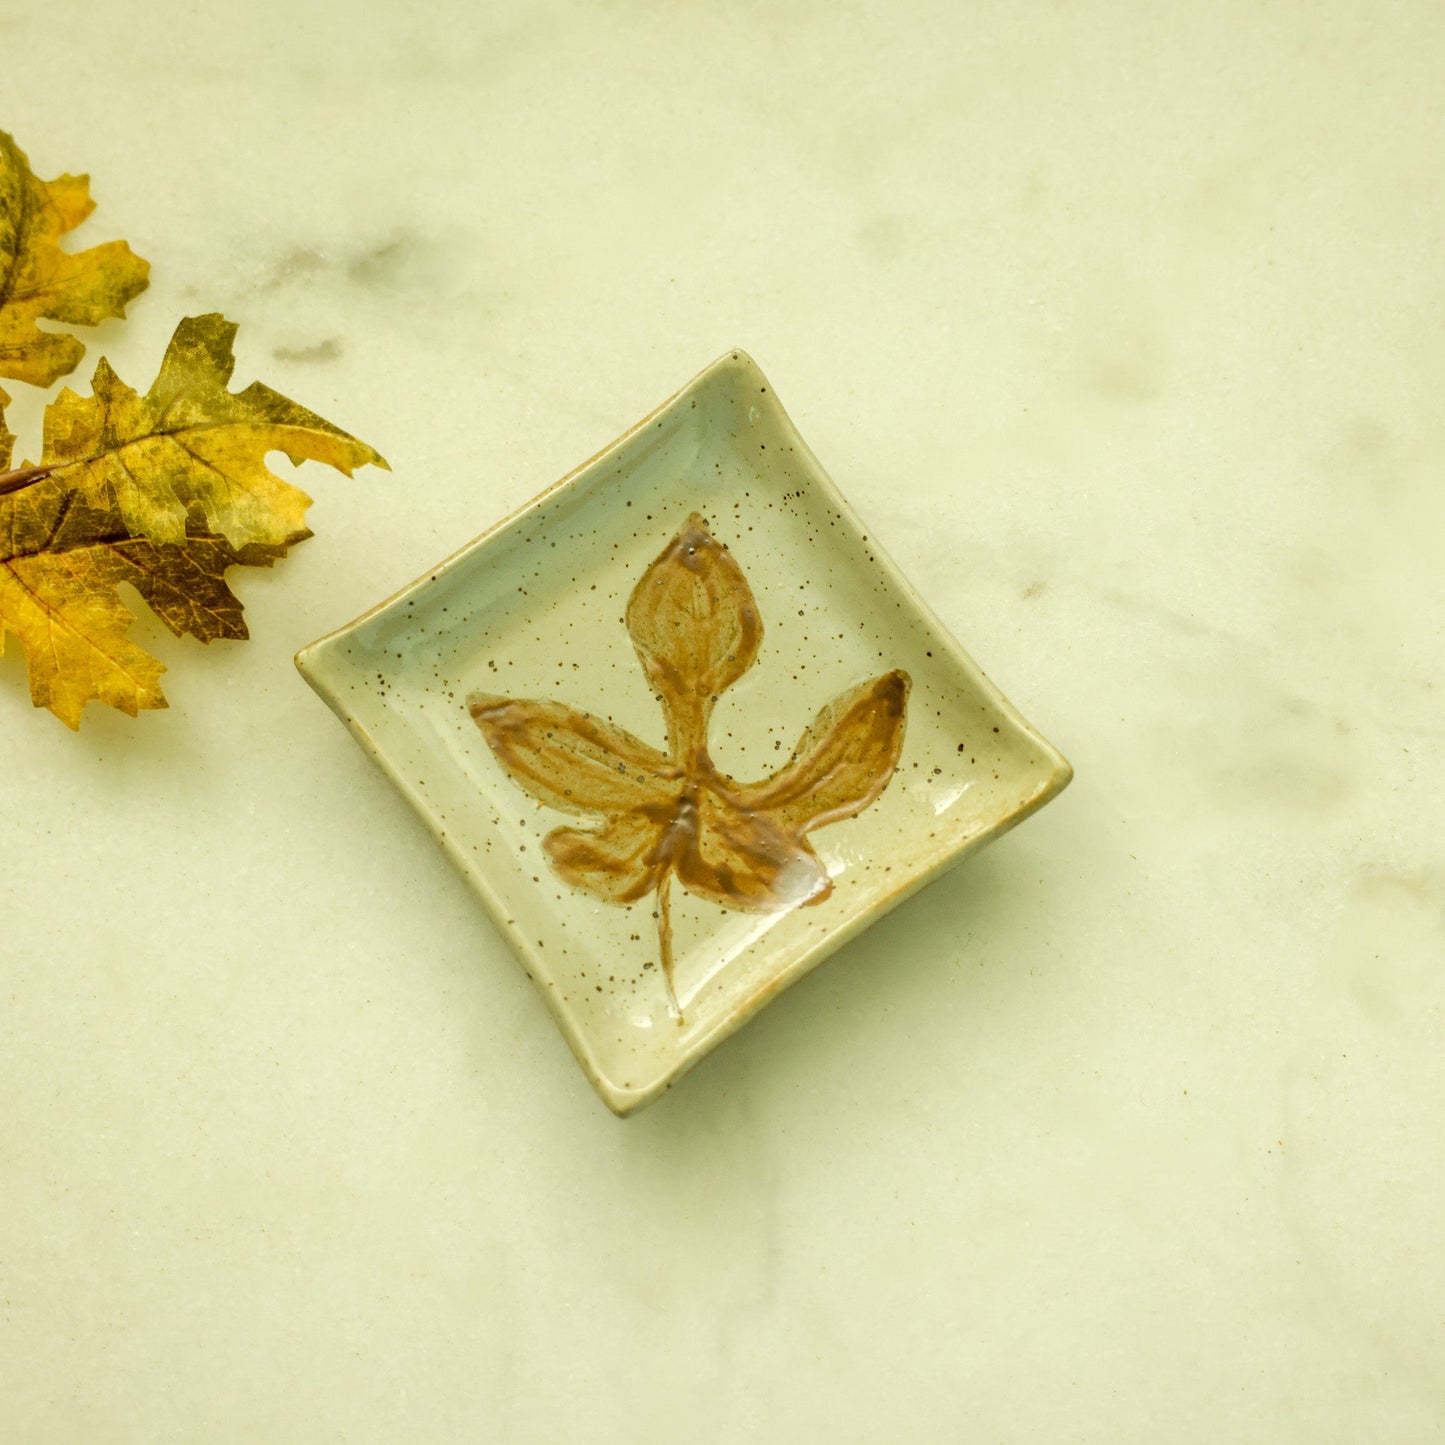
(696, 629)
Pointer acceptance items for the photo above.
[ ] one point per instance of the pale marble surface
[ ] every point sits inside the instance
(1124, 331)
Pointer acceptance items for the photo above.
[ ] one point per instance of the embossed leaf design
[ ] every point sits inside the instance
(163, 491)
(695, 625)
(39, 281)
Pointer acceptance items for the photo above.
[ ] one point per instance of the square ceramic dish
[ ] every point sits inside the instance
(570, 701)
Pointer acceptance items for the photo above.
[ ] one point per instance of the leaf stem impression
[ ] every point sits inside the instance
(664, 945)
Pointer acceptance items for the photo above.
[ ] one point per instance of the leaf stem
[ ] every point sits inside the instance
(664, 942)
(22, 477)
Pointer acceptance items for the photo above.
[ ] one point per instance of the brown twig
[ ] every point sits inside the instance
(22, 477)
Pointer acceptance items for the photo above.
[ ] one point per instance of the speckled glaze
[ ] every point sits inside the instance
(534, 609)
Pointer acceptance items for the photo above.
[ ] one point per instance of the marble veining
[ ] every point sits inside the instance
(1120, 326)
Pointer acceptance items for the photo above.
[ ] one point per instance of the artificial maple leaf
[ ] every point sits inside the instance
(40, 281)
(163, 491)
(696, 630)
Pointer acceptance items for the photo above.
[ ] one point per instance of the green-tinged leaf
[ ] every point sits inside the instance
(189, 452)
(164, 492)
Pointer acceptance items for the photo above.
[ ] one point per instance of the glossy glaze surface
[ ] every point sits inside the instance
(695, 626)
(557, 606)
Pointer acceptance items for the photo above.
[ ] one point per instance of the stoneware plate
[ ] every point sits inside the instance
(684, 728)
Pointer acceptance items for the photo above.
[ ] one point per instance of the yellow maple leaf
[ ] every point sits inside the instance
(39, 281)
(696, 629)
(163, 491)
